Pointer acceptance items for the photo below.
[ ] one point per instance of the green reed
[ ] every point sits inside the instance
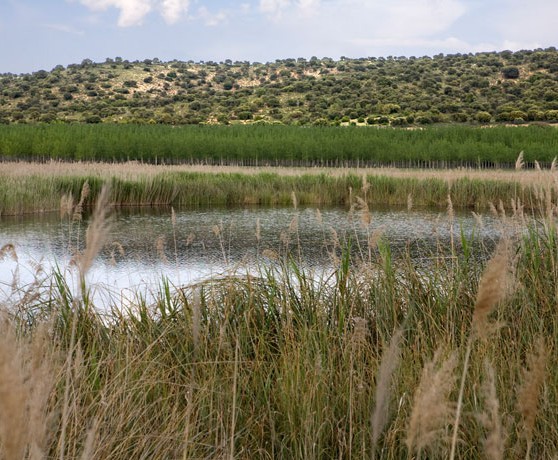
(282, 144)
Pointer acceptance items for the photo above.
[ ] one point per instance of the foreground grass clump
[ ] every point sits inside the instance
(364, 364)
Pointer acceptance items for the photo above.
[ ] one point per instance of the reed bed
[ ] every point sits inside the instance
(33, 187)
(314, 146)
(380, 359)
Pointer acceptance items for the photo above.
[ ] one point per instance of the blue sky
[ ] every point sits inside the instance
(39, 34)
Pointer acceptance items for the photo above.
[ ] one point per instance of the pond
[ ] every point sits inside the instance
(146, 245)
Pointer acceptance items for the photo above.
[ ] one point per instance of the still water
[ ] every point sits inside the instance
(145, 245)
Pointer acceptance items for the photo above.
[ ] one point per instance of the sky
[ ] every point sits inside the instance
(40, 34)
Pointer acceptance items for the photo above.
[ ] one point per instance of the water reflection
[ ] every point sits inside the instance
(145, 244)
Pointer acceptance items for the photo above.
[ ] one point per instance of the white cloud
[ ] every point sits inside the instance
(133, 12)
(173, 10)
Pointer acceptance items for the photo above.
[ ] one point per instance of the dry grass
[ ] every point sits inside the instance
(134, 170)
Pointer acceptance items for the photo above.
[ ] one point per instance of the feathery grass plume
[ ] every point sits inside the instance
(388, 364)
(319, 217)
(96, 233)
(375, 237)
(529, 392)
(432, 411)
(451, 214)
(502, 210)
(365, 216)
(26, 381)
(258, 230)
(478, 219)
(12, 395)
(519, 163)
(115, 248)
(89, 446)
(537, 166)
(8, 250)
(493, 287)
(517, 208)
(490, 417)
(66, 205)
(293, 225)
(553, 164)
(294, 200)
(409, 202)
(41, 370)
(493, 209)
(78, 210)
(160, 246)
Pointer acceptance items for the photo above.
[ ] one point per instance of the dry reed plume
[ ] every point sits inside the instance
(529, 392)
(490, 418)
(519, 163)
(96, 233)
(432, 410)
(26, 381)
(389, 363)
(493, 287)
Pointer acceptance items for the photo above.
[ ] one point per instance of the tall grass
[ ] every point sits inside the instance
(361, 364)
(279, 144)
(20, 193)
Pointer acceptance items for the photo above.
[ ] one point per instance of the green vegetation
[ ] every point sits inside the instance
(364, 364)
(511, 87)
(280, 145)
(32, 193)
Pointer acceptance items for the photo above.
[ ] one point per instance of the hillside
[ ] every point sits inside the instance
(505, 87)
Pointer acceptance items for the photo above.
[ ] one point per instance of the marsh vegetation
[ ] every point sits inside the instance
(381, 358)
(437, 147)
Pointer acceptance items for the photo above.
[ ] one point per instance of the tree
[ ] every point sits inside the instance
(510, 72)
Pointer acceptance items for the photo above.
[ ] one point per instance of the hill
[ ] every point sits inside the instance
(505, 87)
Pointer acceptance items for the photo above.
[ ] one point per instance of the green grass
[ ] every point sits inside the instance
(459, 145)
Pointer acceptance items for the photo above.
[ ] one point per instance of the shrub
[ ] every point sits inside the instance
(511, 72)
(483, 117)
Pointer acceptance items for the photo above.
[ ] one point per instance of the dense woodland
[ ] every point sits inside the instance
(492, 87)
